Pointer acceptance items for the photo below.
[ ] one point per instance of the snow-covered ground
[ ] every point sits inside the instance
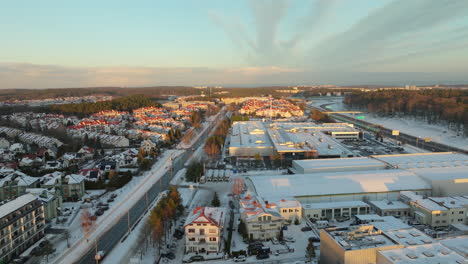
(132, 194)
(415, 127)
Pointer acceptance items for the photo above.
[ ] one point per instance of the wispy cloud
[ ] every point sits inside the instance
(377, 37)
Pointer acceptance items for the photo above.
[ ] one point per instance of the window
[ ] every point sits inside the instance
(290, 210)
(285, 210)
(437, 222)
(460, 220)
(191, 230)
(213, 239)
(461, 212)
(296, 210)
(443, 221)
(444, 214)
(192, 239)
(202, 231)
(212, 230)
(437, 215)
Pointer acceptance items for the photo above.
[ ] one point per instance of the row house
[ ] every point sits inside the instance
(10, 132)
(204, 230)
(15, 184)
(22, 223)
(40, 140)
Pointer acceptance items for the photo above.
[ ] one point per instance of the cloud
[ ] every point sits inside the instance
(394, 32)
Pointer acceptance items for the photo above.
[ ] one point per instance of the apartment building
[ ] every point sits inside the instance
(204, 230)
(262, 221)
(21, 225)
(15, 184)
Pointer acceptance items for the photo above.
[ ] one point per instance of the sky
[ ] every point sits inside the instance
(56, 43)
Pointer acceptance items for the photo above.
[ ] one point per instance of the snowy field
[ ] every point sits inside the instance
(411, 126)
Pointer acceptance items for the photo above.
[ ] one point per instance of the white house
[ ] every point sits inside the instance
(204, 229)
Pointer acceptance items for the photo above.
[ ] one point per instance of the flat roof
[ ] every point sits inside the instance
(368, 237)
(325, 164)
(390, 223)
(376, 181)
(15, 204)
(425, 160)
(423, 254)
(409, 237)
(249, 134)
(331, 205)
(389, 205)
(457, 244)
(437, 174)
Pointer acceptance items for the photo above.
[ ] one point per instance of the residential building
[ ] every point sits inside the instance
(262, 221)
(51, 200)
(71, 187)
(22, 224)
(204, 230)
(15, 184)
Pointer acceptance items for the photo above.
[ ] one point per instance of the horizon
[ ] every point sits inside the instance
(238, 44)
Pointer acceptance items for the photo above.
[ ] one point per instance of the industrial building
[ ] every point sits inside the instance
(427, 254)
(337, 165)
(334, 210)
(338, 186)
(293, 141)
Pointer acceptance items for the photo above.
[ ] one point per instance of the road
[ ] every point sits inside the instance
(405, 138)
(120, 227)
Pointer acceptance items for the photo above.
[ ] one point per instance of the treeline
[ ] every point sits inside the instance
(214, 143)
(434, 106)
(127, 103)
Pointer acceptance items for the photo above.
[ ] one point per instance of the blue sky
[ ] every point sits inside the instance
(246, 42)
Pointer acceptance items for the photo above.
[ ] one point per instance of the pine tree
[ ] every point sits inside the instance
(215, 202)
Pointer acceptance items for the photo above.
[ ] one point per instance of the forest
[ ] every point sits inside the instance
(448, 106)
(126, 103)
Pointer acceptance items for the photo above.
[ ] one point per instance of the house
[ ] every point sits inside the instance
(204, 230)
(4, 144)
(71, 187)
(17, 148)
(6, 154)
(107, 166)
(50, 198)
(30, 160)
(86, 152)
(262, 222)
(147, 145)
(91, 174)
(15, 184)
(46, 153)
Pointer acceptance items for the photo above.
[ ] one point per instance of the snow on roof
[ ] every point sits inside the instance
(389, 205)
(390, 223)
(425, 160)
(422, 254)
(280, 186)
(213, 215)
(331, 205)
(409, 237)
(457, 244)
(15, 204)
(74, 178)
(20, 178)
(249, 134)
(327, 164)
(436, 174)
(51, 179)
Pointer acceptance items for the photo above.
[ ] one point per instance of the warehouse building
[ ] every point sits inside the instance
(337, 165)
(338, 186)
(445, 181)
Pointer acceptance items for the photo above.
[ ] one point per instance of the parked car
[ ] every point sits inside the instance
(240, 258)
(113, 196)
(315, 239)
(306, 228)
(289, 239)
(168, 255)
(99, 212)
(194, 259)
(274, 241)
(110, 200)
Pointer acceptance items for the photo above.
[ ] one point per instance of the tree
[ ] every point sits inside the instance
(310, 250)
(215, 202)
(87, 223)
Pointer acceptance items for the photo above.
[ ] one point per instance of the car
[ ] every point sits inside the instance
(110, 200)
(194, 259)
(314, 239)
(100, 255)
(168, 255)
(306, 228)
(99, 212)
(289, 239)
(285, 227)
(274, 241)
(113, 196)
(240, 258)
